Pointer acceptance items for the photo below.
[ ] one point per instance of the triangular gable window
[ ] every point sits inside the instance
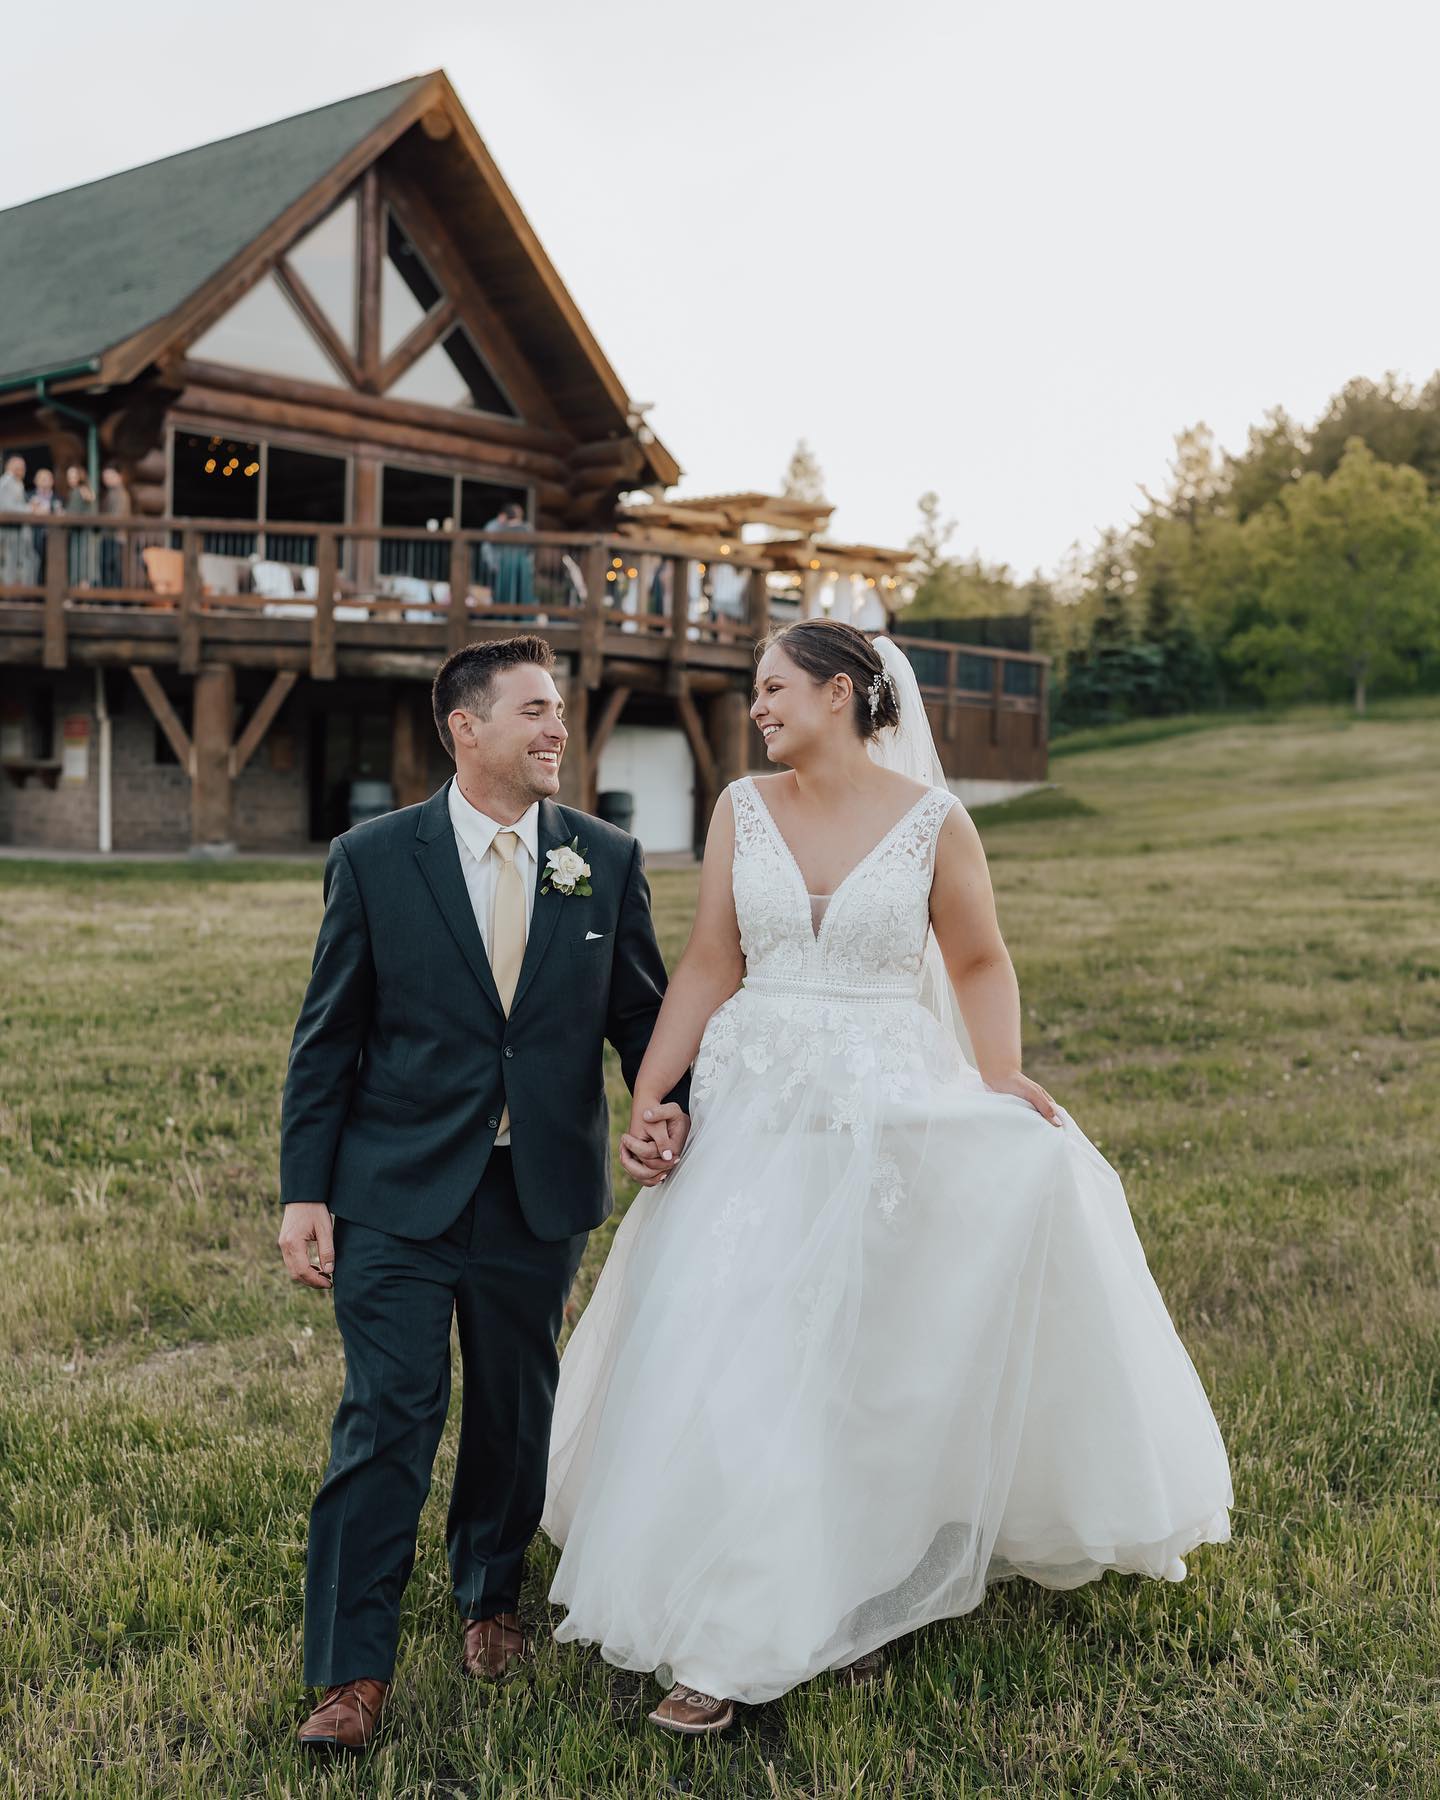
(453, 373)
(263, 331)
(327, 261)
(450, 372)
(407, 289)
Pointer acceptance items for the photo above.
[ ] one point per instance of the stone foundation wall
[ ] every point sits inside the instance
(150, 798)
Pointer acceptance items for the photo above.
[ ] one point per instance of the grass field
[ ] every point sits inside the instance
(1228, 951)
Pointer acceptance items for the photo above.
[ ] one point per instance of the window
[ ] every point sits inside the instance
(480, 503)
(301, 486)
(214, 477)
(452, 373)
(407, 288)
(264, 481)
(423, 500)
(327, 261)
(263, 331)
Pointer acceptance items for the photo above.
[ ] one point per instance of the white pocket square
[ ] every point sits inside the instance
(589, 935)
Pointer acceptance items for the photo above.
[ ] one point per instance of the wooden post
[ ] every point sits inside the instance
(211, 788)
(809, 593)
(366, 559)
(730, 730)
(997, 697)
(707, 791)
(372, 262)
(577, 783)
(322, 626)
(188, 651)
(57, 558)
(757, 607)
(679, 641)
(457, 623)
(410, 744)
(592, 626)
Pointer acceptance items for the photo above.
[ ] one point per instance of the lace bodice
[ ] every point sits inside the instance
(874, 924)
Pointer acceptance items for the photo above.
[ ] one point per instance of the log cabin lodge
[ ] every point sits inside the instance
(321, 359)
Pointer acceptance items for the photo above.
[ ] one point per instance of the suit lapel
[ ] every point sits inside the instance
(439, 860)
(550, 834)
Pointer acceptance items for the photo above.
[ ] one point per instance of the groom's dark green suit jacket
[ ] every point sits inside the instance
(403, 1057)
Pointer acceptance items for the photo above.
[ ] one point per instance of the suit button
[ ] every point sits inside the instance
(493, 1124)
(509, 1051)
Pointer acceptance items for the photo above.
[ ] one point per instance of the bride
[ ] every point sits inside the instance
(886, 1334)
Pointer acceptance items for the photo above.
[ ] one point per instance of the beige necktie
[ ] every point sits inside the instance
(507, 930)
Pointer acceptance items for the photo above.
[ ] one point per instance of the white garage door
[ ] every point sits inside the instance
(653, 762)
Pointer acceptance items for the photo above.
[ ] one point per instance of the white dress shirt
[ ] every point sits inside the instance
(474, 834)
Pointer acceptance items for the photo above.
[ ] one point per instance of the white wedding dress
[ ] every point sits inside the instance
(884, 1336)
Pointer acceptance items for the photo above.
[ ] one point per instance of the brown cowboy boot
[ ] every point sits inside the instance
(347, 1718)
(687, 1710)
(494, 1645)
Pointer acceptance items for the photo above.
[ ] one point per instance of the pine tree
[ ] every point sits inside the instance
(804, 478)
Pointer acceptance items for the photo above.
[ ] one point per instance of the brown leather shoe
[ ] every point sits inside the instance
(347, 1718)
(492, 1646)
(687, 1710)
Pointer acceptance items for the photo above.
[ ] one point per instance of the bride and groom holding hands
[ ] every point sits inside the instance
(877, 1330)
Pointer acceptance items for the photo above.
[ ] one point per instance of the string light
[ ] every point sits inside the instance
(815, 562)
(631, 574)
(610, 575)
(210, 465)
(617, 563)
(254, 469)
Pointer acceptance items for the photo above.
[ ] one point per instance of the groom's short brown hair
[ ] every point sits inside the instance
(466, 678)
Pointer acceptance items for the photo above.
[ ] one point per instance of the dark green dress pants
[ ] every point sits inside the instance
(394, 1301)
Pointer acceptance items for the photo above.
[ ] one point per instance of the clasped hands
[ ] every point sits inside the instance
(651, 1147)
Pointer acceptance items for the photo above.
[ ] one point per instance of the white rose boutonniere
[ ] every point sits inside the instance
(566, 870)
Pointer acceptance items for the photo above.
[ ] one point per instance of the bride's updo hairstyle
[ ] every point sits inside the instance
(825, 648)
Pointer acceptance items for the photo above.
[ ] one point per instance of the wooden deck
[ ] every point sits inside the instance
(626, 618)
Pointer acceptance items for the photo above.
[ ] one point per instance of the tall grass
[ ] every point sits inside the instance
(1230, 972)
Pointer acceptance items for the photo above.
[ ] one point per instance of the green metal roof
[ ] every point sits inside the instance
(83, 270)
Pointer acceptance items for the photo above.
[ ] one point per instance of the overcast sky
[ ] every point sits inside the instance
(1001, 250)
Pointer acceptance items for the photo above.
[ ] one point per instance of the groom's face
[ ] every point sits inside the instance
(520, 746)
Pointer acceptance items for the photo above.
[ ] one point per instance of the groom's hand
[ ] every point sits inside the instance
(303, 1226)
(651, 1147)
(641, 1161)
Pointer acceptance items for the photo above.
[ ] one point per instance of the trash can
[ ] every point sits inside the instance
(617, 807)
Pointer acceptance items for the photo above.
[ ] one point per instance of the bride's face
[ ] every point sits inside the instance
(796, 715)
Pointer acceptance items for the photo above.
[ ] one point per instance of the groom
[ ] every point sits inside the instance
(445, 1102)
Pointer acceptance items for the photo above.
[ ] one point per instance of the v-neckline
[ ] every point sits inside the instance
(850, 874)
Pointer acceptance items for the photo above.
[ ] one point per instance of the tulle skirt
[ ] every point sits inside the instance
(885, 1337)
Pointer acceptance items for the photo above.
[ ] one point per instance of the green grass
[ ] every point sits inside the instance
(1228, 956)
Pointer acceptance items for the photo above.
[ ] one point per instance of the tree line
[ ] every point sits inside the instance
(1305, 567)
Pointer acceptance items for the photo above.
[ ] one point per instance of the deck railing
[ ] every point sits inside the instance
(329, 588)
(334, 576)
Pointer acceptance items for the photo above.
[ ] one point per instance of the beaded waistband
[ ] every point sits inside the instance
(801, 988)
